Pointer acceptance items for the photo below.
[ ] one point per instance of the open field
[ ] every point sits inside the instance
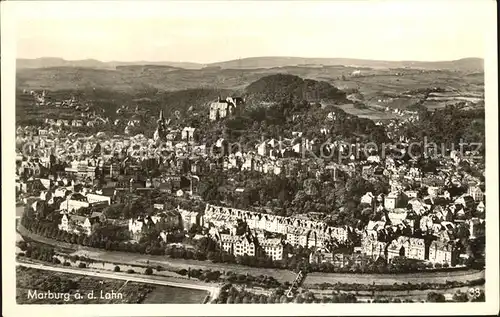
(176, 264)
(414, 295)
(368, 113)
(422, 277)
(373, 81)
(101, 288)
(172, 295)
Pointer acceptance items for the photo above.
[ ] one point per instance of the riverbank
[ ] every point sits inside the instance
(280, 275)
(141, 260)
(413, 295)
(389, 279)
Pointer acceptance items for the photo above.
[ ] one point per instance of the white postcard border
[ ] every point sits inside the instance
(10, 308)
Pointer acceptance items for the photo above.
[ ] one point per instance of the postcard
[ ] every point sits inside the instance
(207, 158)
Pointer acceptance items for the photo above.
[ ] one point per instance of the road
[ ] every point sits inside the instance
(129, 258)
(212, 290)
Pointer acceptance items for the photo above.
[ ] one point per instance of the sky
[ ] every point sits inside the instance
(207, 31)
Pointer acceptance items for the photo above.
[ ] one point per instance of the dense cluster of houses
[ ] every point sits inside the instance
(428, 226)
(164, 221)
(294, 231)
(86, 122)
(68, 197)
(422, 227)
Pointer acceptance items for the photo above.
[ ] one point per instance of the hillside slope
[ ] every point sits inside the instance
(465, 64)
(46, 62)
(274, 88)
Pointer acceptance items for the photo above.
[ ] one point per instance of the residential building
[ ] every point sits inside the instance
(137, 226)
(476, 227)
(77, 224)
(412, 248)
(273, 248)
(188, 133)
(94, 198)
(367, 198)
(190, 218)
(442, 252)
(237, 245)
(320, 256)
(74, 202)
(394, 200)
(476, 193)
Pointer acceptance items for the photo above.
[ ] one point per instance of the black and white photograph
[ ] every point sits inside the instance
(328, 153)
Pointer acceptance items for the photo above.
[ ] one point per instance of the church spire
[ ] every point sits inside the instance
(161, 128)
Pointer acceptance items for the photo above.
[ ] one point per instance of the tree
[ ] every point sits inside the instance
(116, 269)
(460, 297)
(434, 297)
(245, 300)
(255, 299)
(22, 245)
(283, 299)
(148, 271)
(299, 299)
(263, 299)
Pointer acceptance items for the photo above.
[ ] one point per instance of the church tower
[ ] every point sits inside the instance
(161, 129)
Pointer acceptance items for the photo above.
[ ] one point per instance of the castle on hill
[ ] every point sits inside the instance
(224, 107)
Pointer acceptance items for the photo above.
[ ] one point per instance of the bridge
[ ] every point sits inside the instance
(296, 284)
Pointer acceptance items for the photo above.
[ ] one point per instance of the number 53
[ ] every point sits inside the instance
(474, 292)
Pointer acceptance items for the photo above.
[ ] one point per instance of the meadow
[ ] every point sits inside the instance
(132, 292)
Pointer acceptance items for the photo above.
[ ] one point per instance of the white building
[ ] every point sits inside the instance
(76, 224)
(189, 218)
(187, 133)
(273, 248)
(94, 198)
(367, 198)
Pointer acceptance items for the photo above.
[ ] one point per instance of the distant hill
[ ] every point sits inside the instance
(48, 62)
(130, 78)
(274, 88)
(465, 64)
